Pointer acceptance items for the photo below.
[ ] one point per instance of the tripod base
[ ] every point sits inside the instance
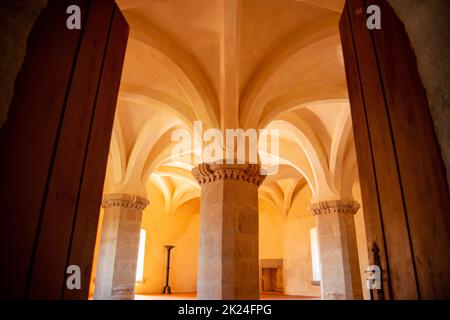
(166, 288)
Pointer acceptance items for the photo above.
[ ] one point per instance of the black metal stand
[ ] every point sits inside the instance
(167, 286)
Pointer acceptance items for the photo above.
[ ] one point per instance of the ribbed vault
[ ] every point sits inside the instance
(254, 64)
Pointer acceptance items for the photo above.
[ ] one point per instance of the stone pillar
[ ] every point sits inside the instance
(119, 245)
(228, 265)
(338, 251)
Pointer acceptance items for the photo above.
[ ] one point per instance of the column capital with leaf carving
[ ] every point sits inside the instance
(334, 206)
(126, 201)
(206, 173)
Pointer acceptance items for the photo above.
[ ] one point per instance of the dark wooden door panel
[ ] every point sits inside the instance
(401, 267)
(418, 156)
(47, 276)
(87, 213)
(28, 139)
(64, 106)
(371, 205)
(398, 155)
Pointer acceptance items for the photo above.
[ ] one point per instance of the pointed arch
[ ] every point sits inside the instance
(306, 36)
(179, 62)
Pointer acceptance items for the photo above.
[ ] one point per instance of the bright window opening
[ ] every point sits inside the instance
(141, 254)
(315, 255)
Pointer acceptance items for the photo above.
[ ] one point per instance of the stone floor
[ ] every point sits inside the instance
(193, 296)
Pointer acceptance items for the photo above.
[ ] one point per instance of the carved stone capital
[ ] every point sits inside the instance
(206, 173)
(334, 206)
(126, 201)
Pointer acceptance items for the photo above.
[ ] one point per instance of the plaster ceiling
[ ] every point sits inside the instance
(233, 63)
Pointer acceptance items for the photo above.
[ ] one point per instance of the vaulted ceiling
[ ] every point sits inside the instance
(233, 63)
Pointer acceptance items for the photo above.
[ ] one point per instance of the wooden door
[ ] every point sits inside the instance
(404, 189)
(54, 148)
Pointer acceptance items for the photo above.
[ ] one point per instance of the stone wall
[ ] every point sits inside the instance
(17, 18)
(180, 229)
(297, 246)
(271, 231)
(427, 23)
(297, 268)
(288, 240)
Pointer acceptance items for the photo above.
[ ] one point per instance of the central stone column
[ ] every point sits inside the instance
(228, 253)
(119, 246)
(338, 251)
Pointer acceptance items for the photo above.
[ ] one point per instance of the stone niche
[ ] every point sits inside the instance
(271, 275)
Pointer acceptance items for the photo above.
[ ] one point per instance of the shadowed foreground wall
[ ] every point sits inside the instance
(427, 23)
(16, 20)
